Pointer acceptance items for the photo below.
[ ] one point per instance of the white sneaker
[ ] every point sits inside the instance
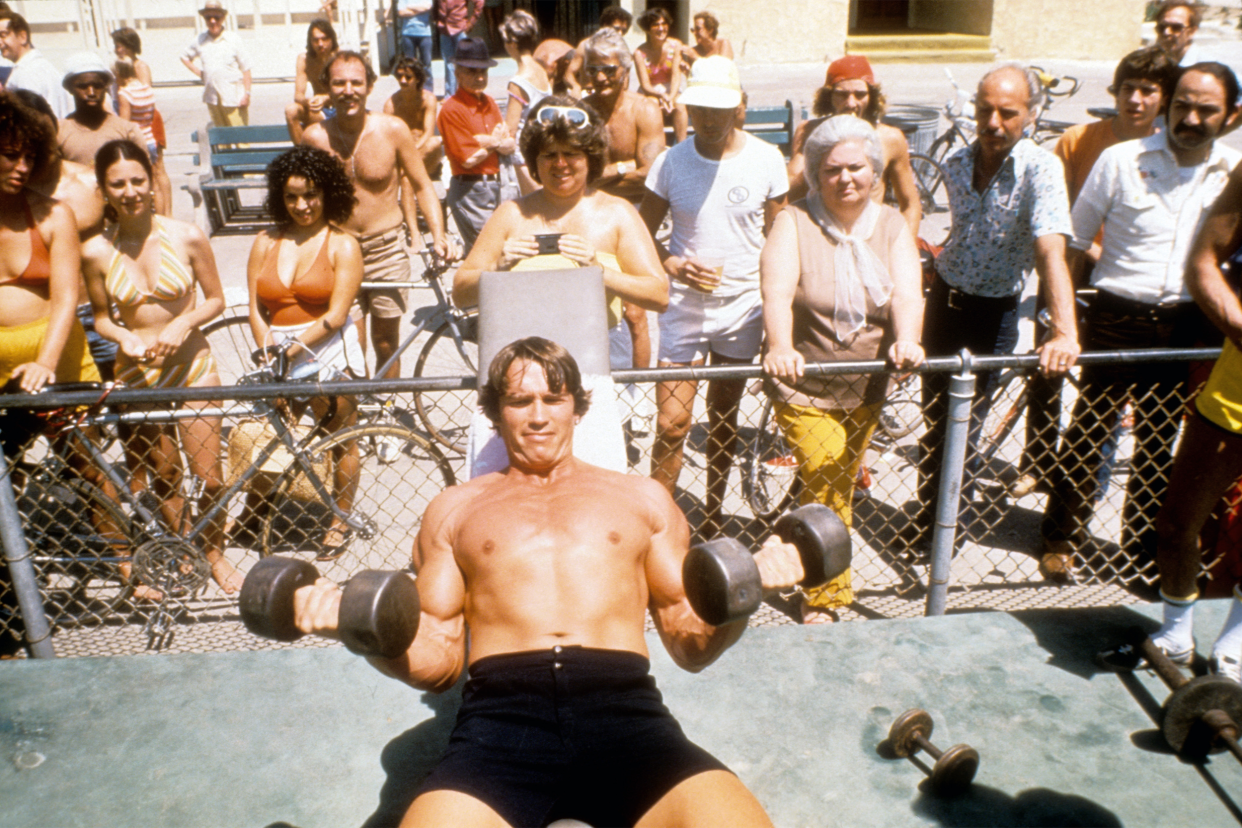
(387, 449)
(1227, 666)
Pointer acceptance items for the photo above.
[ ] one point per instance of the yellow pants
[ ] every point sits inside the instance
(22, 343)
(229, 115)
(829, 446)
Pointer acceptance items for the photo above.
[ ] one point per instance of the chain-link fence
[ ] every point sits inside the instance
(137, 517)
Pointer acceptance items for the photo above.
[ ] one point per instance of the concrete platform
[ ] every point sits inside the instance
(317, 738)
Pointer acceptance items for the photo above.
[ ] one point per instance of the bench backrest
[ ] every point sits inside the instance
(774, 124)
(234, 151)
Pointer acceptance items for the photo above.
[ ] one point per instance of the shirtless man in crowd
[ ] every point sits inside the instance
(321, 45)
(377, 150)
(416, 106)
(635, 139)
(555, 591)
(851, 89)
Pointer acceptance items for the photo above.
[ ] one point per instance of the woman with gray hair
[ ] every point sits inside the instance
(841, 281)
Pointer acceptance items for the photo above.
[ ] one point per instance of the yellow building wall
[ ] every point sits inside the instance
(801, 31)
(779, 31)
(1066, 29)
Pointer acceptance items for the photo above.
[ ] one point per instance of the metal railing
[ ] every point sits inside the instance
(984, 551)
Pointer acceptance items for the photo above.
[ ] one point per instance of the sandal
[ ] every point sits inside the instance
(331, 551)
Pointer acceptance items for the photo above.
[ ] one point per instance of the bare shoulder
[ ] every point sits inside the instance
(893, 139)
(97, 251)
(316, 135)
(388, 124)
(184, 233)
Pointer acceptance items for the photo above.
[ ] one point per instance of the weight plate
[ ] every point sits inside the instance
(1182, 722)
(908, 725)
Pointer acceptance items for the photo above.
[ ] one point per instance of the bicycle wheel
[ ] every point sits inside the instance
(447, 414)
(231, 344)
(390, 499)
(903, 408)
(933, 198)
(770, 479)
(78, 537)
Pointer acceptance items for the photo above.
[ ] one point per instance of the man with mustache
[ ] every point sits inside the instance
(1150, 196)
(376, 149)
(1010, 215)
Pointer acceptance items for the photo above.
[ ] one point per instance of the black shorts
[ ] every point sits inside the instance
(566, 733)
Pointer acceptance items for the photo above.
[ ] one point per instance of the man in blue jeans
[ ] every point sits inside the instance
(1010, 214)
(454, 19)
(414, 17)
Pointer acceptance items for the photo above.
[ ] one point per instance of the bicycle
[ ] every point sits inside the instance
(451, 350)
(299, 503)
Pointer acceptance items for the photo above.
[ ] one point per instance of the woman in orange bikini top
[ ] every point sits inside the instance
(151, 268)
(40, 338)
(303, 277)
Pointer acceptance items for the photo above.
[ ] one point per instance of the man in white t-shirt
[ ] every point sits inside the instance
(724, 188)
(223, 66)
(31, 70)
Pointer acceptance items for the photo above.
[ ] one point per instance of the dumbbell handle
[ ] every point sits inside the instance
(926, 746)
(1163, 665)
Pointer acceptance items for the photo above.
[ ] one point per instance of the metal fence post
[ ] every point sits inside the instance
(957, 434)
(21, 569)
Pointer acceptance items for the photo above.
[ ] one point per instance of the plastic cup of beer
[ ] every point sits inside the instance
(715, 263)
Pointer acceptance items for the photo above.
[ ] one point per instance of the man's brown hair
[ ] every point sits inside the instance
(1195, 10)
(558, 367)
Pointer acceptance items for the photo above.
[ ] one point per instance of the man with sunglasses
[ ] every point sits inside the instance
(1177, 23)
(223, 67)
(635, 139)
(723, 189)
(476, 141)
(80, 134)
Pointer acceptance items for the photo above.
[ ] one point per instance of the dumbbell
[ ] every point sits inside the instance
(378, 616)
(722, 579)
(954, 769)
(1201, 714)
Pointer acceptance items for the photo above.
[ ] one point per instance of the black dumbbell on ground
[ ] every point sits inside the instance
(1201, 715)
(378, 616)
(954, 769)
(722, 579)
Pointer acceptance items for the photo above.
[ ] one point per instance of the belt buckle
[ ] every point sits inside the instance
(953, 299)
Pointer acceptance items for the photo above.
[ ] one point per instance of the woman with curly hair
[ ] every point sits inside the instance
(150, 269)
(565, 148)
(303, 276)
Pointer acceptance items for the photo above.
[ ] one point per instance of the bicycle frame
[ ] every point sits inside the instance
(444, 312)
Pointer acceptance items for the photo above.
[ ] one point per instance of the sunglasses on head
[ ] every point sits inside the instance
(570, 114)
(607, 68)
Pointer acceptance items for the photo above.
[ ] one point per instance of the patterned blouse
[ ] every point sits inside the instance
(992, 244)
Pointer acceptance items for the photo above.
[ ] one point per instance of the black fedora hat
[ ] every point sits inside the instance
(472, 53)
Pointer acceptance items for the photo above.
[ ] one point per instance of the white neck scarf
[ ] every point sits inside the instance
(858, 270)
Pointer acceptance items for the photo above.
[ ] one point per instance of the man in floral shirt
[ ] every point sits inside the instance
(1010, 214)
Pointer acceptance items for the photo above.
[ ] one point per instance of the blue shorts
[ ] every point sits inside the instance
(566, 733)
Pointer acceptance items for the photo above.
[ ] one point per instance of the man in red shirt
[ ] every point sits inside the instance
(475, 138)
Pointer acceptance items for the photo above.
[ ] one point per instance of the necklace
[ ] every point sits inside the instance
(340, 138)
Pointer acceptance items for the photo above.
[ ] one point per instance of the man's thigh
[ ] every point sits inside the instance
(710, 799)
(440, 808)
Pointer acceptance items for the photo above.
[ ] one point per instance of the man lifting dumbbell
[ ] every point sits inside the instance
(553, 565)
